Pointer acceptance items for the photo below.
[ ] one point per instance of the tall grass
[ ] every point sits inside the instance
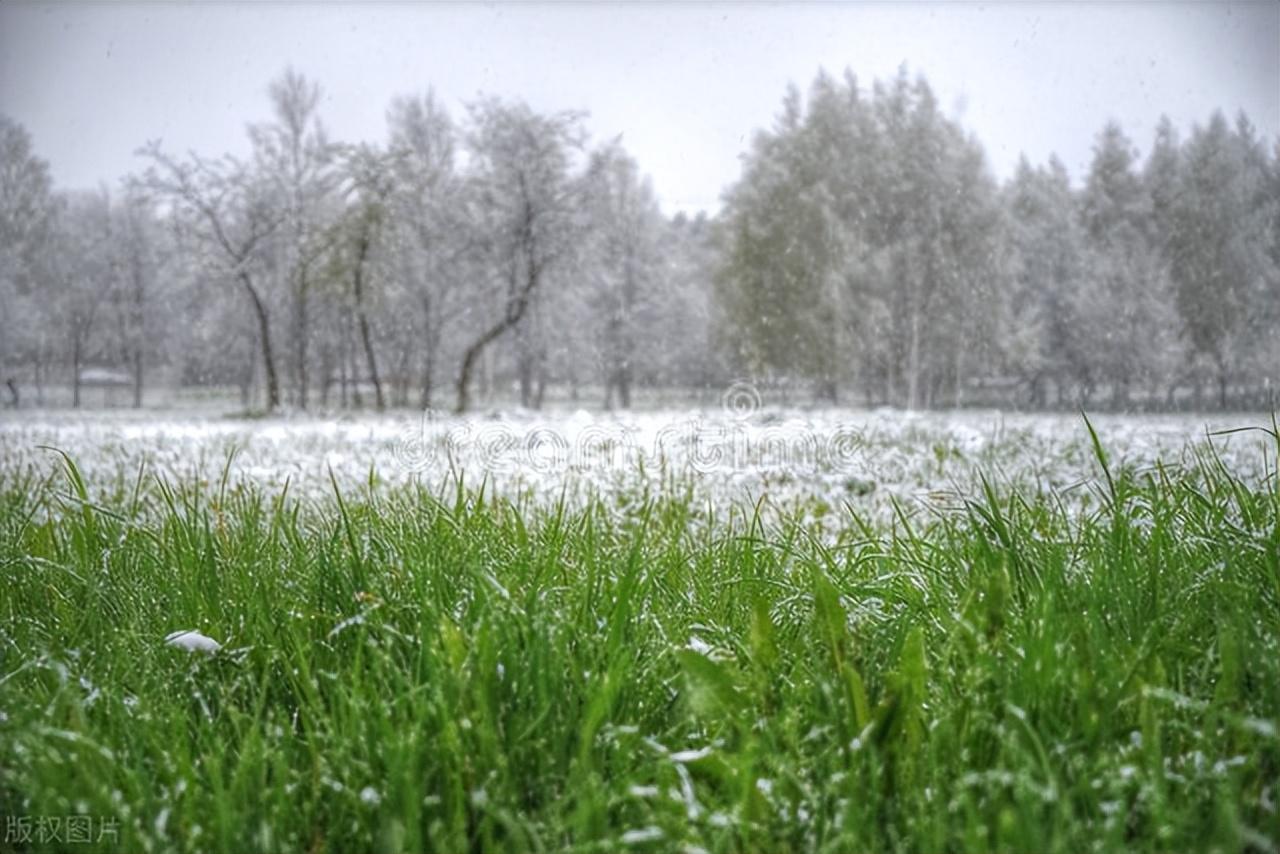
(416, 671)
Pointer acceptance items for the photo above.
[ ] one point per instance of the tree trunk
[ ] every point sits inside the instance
(245, 381)
(137, 378)
(301, 338)
(517, 305)
(264, 340)
(1120, 395)
(429, 351)
(472, 353)
(913, 363)
(624, 387)
(342, 365)
(304, 380)
(40, 354)
(540, 379)
(372, 360)
(428, 374)
(75, 368)
(487, 381)
(353, 369)
(464, 373)
(525, 371)
(612, 361)
(400, 385)
(828, 390)
(366, 339)
(326, 373)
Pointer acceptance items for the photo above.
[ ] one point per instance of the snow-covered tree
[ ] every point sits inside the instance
(864, 232)
(433, 236)
(26, 209)
(526, 200)
(1049, 267)
(232, 216)
(1125, 306)
(296, 161)
(1220, 234)
(622, 275)
(788, 235)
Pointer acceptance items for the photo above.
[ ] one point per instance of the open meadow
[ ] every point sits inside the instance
(734, 630)
(669, 428)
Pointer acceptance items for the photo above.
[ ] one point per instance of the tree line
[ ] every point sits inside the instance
(865, 255)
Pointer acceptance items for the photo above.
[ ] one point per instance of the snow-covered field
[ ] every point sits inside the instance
(819, 459)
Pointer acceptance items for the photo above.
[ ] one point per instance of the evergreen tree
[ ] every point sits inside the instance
(1124, 306)
(1049, 266)
(1219, 236)
(26, 214)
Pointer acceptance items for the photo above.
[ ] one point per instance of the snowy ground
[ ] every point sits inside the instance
(818, 459)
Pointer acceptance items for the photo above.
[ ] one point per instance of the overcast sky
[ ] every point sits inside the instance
(685, 84)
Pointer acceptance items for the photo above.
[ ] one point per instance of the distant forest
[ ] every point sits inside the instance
(866, 256)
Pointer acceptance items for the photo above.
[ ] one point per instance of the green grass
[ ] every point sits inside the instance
(408, 671)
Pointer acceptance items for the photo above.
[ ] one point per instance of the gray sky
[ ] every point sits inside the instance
(685, 84)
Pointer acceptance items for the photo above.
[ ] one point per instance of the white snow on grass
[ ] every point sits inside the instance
(192, 641)
(817, 460)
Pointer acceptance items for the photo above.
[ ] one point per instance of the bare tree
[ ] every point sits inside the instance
(435, 240)
(624, 266)
(368, 187)
(295, 158)
(233, 217)
(82, 274)
(526, 196)
(136, 253)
